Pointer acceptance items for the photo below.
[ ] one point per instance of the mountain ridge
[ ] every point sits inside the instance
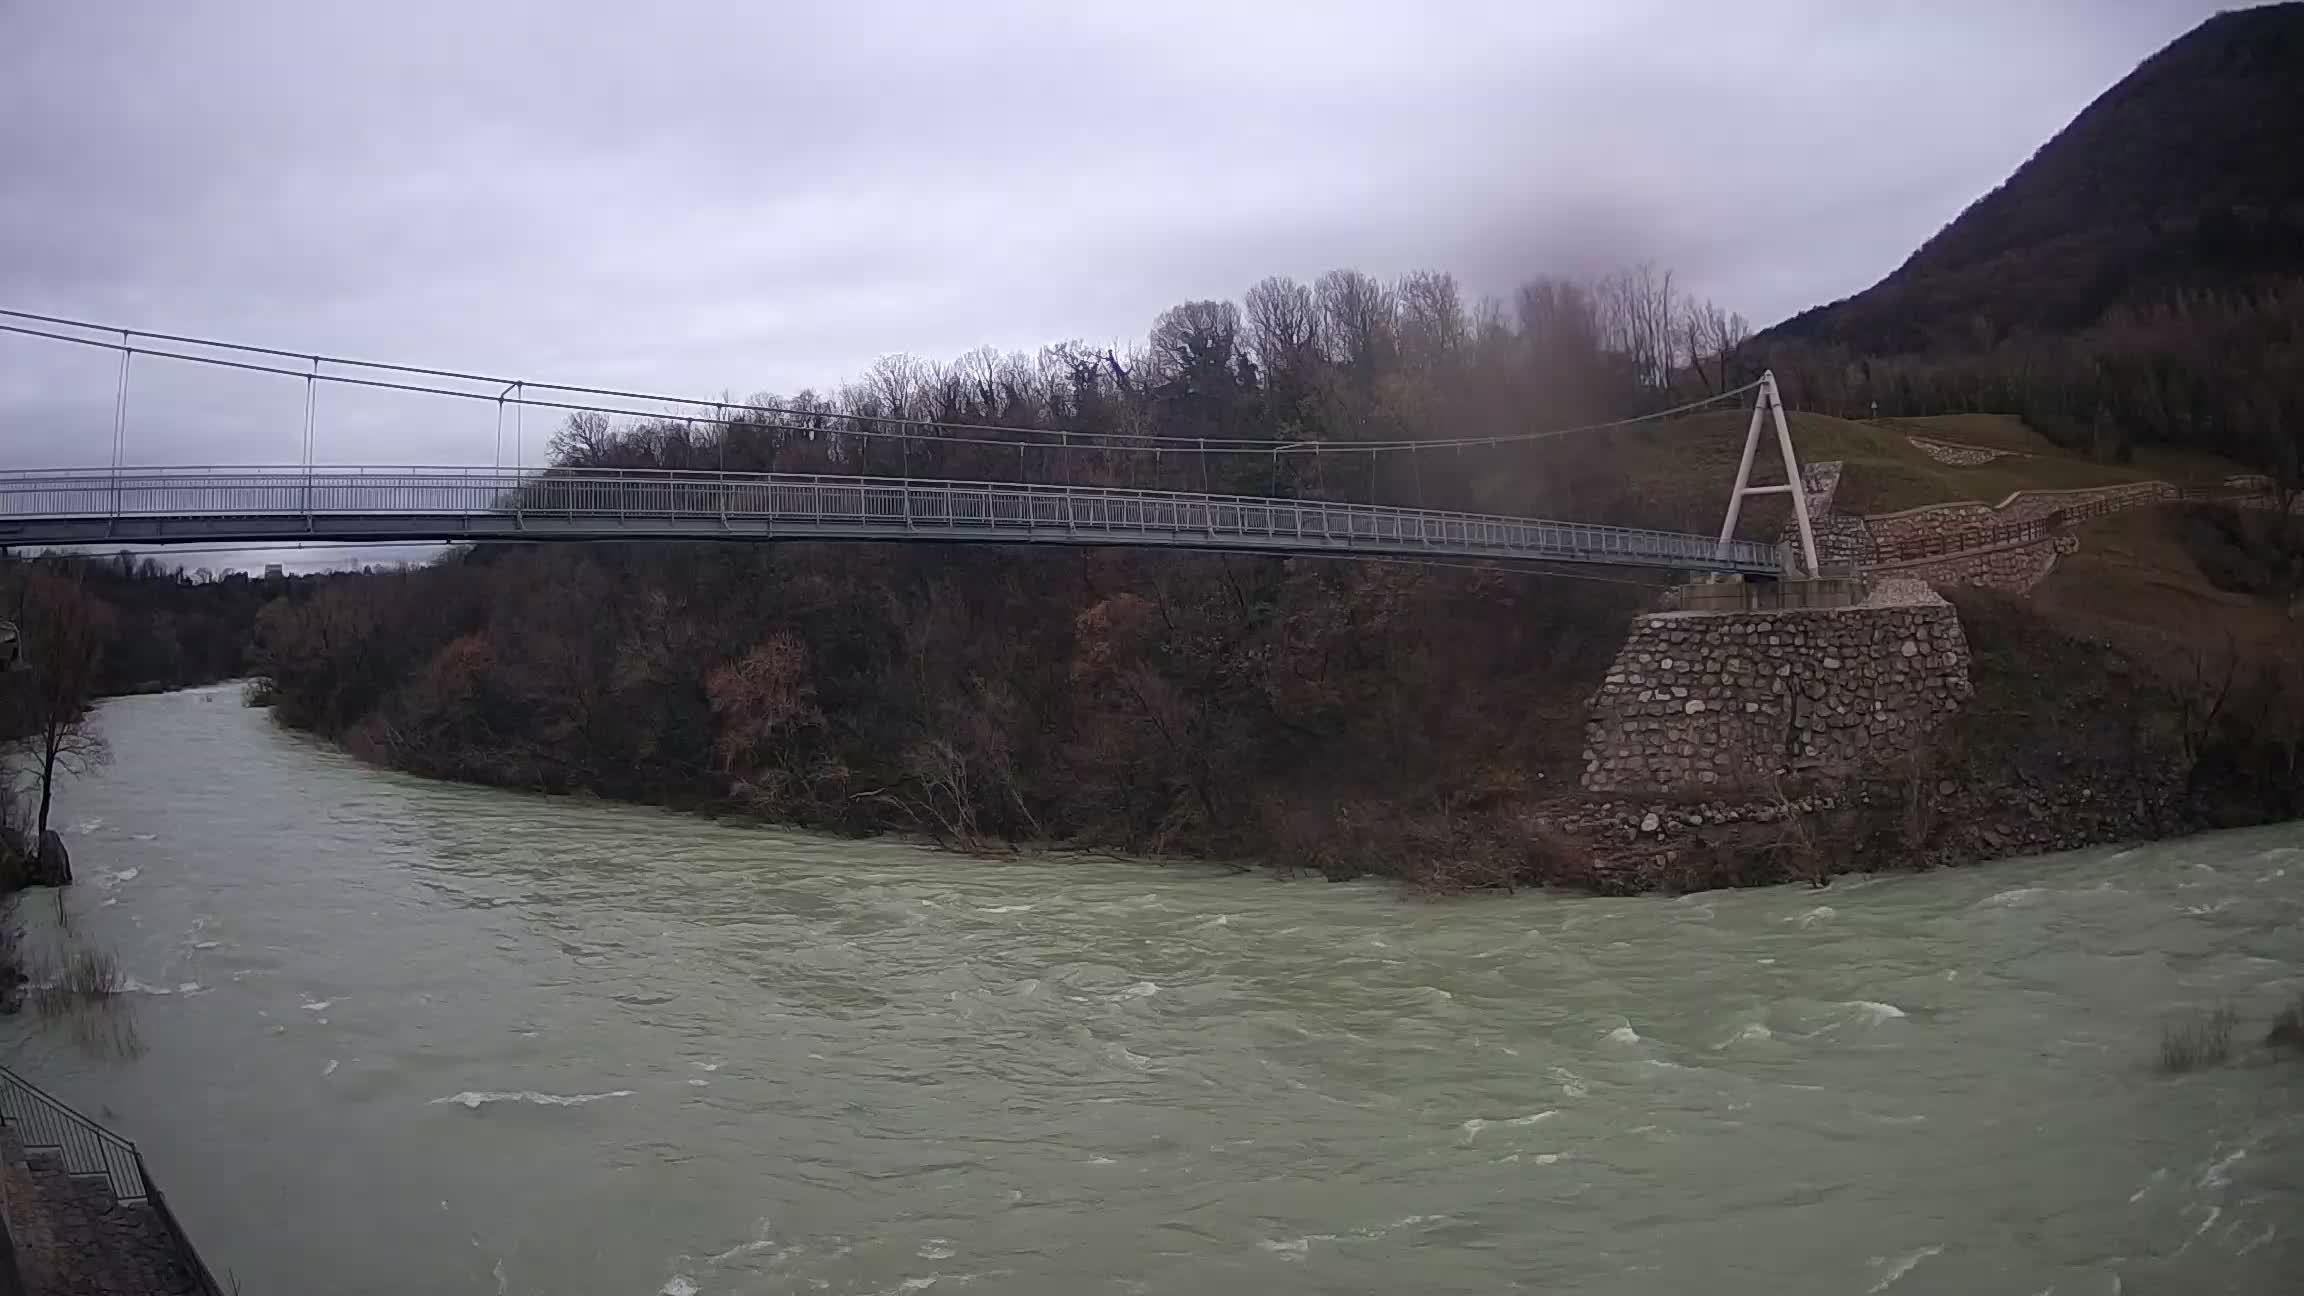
(2183, 175)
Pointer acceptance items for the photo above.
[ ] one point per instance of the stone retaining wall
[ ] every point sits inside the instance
(1843, 541)
(2011, 568)
(1930, 522)
(1707, 703)
(1871, 543)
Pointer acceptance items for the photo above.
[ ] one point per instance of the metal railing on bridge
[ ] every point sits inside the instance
(160, 505)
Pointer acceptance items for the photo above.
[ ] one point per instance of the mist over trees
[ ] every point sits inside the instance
(2221, 371)
(1345, 360)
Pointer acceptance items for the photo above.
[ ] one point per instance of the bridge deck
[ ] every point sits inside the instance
(258, 505)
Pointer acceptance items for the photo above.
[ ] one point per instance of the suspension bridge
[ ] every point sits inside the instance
(122, 504)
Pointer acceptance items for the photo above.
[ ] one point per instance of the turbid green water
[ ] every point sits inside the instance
(410, 1037)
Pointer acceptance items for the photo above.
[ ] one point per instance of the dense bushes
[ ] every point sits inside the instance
(1149, 702)
(2220, 371)
(2246, 551)
(164, 627)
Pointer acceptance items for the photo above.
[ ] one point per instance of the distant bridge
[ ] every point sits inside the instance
(152, 506)
(124, 505)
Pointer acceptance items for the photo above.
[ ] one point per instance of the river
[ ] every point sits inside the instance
(400, 1036)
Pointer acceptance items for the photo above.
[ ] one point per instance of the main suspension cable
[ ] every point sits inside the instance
(868, 425)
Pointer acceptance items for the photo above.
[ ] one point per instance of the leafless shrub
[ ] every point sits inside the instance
(2197, 1042)
(86, 992)
(2212, 670)
(938, 794)
(1450, 853)
(86, 976)
(1915, 774)
(1436, 850)
(1799, 854)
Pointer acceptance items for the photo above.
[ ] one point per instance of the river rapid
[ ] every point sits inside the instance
(396, 1036)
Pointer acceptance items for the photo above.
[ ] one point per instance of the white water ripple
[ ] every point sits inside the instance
(1900, 1266)
(474, 1099)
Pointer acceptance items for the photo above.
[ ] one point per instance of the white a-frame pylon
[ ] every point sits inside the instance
(1769, 405)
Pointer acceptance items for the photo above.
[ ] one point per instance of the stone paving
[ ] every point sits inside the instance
(73, 1239)
(1957, 455)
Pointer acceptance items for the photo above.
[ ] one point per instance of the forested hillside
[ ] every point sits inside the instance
(2136, 281)
(161, 626)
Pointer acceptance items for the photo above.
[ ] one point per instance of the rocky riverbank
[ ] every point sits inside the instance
(1637, 846)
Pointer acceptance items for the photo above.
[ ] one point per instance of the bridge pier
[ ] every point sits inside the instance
(1745, 684)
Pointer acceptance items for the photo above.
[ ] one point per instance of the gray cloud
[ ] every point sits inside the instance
(737, 197)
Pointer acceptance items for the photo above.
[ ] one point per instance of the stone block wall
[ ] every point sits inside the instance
(2011, 568)
(1931, 522)
(1820, 482)
(1843, 540)
(1708, 703)
(1883, 542)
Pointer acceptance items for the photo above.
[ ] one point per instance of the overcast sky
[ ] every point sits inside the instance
(759, 196)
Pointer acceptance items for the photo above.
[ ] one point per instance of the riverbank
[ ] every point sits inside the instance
(2068, 742)
(1343, 722)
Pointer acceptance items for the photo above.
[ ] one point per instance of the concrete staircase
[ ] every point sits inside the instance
(68, 1231)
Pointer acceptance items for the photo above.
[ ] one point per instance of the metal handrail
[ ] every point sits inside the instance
(203, 1282)
(42, 1122)
(852, 503)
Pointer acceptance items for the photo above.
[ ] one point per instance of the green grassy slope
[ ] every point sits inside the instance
(1987, 431)
(1676, 474)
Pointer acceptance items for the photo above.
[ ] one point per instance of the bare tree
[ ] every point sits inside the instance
(1199, 340)
(1559, 319)
(900, 383)
(586, 440)
(64, 630)
(1358, 323)
(1283, 328)
(1638, 313)
(1711, 336)
(1433, 324)
(2214, 670)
